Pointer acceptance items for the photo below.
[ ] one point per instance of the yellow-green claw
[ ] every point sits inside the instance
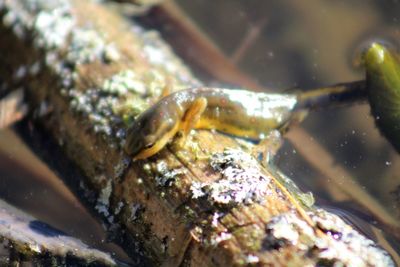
(383, 89)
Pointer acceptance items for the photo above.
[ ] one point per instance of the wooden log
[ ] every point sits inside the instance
(87, 74)
(26, 240)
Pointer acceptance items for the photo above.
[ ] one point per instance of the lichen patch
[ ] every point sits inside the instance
(347, 246)
(166, 176)
(88, 45)
(220, 237)
(53, 27)
(287, 229)
(124, 82)
(340, 246)
(103, 200)
(241, 180)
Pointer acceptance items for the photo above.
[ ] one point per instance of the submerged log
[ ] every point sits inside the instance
(87, 74)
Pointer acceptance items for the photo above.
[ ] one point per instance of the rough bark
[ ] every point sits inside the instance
(87, 74)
